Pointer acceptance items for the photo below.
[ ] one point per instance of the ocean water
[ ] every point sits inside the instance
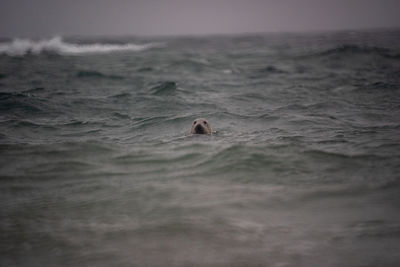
(97, 167)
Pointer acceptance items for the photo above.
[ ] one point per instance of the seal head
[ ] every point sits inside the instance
(201, 126)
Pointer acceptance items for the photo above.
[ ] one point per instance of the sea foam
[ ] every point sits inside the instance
(20, 47)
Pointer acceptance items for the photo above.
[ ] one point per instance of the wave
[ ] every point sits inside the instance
(346, 49)
(97, 74)
(349, 48)
(164, 88)
(17, 102)
(21, 47)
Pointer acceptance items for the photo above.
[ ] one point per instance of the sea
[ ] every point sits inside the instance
(98, 167)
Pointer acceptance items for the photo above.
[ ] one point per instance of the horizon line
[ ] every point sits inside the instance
(200, 35)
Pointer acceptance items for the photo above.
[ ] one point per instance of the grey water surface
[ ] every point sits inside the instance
(97, 167)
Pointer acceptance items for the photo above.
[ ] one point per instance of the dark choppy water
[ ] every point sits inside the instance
(97, 167)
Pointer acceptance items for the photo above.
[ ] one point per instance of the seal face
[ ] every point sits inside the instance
(201, 126)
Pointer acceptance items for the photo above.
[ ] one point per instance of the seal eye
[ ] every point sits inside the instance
(205, 122)
(194, 122)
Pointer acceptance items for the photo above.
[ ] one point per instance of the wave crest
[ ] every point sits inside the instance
(345, 49)
(20, 47)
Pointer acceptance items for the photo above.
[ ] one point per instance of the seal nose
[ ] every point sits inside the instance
(199, 129)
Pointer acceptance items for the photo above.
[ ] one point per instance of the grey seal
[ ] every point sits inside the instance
(201, 126)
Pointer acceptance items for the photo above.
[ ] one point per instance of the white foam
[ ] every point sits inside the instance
(20, 47)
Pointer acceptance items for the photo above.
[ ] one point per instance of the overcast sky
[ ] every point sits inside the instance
(45, 18)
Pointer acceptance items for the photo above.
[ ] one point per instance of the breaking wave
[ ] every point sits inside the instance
(20, 47)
